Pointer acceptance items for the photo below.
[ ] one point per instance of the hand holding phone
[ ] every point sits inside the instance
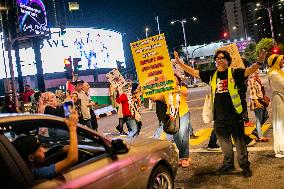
(68, 107)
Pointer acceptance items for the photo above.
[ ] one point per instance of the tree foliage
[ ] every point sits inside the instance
(250, 52)
(265, 43)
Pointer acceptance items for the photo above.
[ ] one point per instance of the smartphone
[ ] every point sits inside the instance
(68, 106)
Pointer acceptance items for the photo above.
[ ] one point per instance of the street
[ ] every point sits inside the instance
(267, 170)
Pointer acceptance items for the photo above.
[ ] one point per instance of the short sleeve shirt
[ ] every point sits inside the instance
(44, 172)
(223, 105)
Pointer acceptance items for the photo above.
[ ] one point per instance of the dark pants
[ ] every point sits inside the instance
(213, 139)
(235, 128)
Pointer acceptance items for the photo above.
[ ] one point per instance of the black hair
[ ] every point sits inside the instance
(27, 86)
(227, 56)
(179, 79)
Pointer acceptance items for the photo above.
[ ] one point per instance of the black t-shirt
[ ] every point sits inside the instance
(58, 111)
(223, 105)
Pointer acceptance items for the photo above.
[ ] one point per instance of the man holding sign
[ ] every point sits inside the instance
(228, 121)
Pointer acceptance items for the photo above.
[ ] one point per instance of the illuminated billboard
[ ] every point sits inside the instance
(32, 17)
(97, 48)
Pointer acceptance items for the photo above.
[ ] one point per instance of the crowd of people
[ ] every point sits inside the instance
(228, 87)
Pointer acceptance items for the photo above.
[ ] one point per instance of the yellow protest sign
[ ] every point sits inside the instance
(153, 66)
(237, 61)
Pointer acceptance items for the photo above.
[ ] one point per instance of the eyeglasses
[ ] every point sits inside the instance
(220, 58)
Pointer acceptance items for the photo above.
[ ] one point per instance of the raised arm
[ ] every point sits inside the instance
(72, 154)
(185, 67)
(256, 66)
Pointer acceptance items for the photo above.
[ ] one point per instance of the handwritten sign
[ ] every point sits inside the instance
(232, 49)
(116, 79)
(153, 66)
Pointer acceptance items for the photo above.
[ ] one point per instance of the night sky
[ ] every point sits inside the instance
(133, 16)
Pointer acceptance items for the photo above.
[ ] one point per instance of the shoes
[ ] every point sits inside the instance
(247, 173)
(120, 132)
(279, 156)
(225, 169)
(252, 143)
(248, 124)
(185, 162)
(214, 147)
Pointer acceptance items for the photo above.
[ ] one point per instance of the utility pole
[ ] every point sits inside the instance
(40, 76)
(158, 23)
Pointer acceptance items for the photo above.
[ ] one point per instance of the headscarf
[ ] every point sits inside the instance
(274, 64)
(47, 99)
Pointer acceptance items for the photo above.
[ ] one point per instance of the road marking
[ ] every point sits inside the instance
(250, 149)
(204, 134)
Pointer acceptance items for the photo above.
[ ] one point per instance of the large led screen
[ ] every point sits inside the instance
(32, 17)
(97, 48)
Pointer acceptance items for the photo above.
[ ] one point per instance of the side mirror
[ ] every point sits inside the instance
(118, 146)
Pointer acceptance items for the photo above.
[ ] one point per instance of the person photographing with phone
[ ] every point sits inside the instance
(33, 152)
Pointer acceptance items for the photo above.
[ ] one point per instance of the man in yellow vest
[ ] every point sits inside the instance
(228, 120)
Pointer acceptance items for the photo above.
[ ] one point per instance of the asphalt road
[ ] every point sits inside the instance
(267, 170)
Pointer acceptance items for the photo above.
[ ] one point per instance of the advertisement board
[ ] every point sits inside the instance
(32, 17)
(153, 66)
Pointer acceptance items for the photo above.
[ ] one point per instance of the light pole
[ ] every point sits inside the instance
(183, 21)
(158, 24)
(146, 31)
(269, 9)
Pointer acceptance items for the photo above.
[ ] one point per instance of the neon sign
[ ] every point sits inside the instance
(32, 17)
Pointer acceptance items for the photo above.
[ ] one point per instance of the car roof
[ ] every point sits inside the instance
(17, 121)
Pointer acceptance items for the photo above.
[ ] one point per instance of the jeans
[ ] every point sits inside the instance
(181, 138)
(235, 128)
(131, 124)
(261, 116)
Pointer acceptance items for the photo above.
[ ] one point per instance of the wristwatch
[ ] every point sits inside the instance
(259, 63)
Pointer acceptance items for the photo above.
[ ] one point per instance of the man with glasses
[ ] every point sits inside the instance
(228, 120)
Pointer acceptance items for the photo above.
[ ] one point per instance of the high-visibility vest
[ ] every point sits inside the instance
(233, 90)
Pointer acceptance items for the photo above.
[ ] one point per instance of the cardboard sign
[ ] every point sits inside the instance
(153, 66)
(116, 79)
(237, 61)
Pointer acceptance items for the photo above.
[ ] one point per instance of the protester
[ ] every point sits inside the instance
(48, 104)
(35, 102)
(174, 103)
(258, 105)
(276, 81)
(228, 121)
(90, 104)
(60, 96)
(243, 94)
(112, 95)
(128, 113)
(9, 105)
(77, 104)
(86, 115)
(27, 94)
(136, 95)
(33, 152)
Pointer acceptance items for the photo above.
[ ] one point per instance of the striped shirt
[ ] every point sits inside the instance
(256, 90)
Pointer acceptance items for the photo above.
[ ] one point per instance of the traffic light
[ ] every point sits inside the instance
(76, 64)
(275, 50)
(225, 35)
(68, 68)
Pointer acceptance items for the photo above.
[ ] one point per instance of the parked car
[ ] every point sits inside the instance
(103, 163)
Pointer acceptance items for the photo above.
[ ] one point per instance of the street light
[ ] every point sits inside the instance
(146, 30)
(183, 21)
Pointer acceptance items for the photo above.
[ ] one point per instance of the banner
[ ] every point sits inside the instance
(237, 61)
(116, 79)
(153, 66)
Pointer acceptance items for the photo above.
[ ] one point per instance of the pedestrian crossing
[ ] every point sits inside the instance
(204, 134)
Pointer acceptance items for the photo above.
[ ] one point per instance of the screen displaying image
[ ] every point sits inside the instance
(97, 48)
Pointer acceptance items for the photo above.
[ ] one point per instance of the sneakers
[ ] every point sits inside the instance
(225, 169)
(213, 147)
(252, 143)
(247, 173)
(248, 124)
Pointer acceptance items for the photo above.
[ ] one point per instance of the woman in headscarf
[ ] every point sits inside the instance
(48, 104)
(276, 81)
